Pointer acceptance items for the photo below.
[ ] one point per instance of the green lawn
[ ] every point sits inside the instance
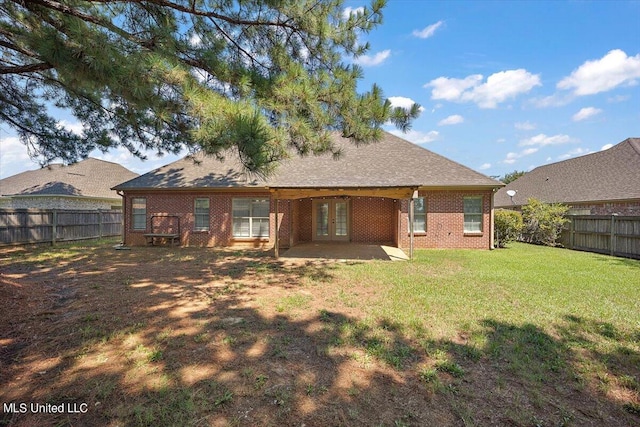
(454, 289)
(537, 313)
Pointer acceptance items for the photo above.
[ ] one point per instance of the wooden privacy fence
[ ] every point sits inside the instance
(21, 226)
(612, 235)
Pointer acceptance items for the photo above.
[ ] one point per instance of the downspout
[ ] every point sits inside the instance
(411, 228)
(277, 248)
(492, 220)
(124, 214)
(411, 217)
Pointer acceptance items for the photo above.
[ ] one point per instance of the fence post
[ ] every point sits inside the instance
(613, 234)
(572, 231)
(100, 223)
(54, 227)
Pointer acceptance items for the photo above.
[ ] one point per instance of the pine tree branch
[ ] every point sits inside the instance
(68, 10)
(18, 49)
(144, 43)
(22, 69)
(232, 41)
(192, 10)
(18, 125)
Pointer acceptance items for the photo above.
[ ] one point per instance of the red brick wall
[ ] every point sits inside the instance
(445, 221)
(181, 204)
(373, 220)
(295, 220)
(285, 223)
(305, 220)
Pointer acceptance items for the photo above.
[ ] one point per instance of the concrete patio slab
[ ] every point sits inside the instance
(346, 251)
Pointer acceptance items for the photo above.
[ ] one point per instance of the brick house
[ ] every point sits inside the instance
(365, 196)
(85, 185)
(602, 183)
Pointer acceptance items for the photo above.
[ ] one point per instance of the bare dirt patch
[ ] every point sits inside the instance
(165, 336)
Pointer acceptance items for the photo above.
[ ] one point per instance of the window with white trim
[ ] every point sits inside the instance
(473, 214)
(250, 217)
(139, 213)
(419, 215)
(201, 213)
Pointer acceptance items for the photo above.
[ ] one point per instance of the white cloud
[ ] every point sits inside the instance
(14, 158)
(498, 87)
(436, 107)
(585, 113)
(304, 53)
(75, 127)
(451, 89)
(451, 120)
(555, 100)
(195, 40)
(524, 125)
(200, 75)
(575, 152)
(417, 137)
(348, 11)
(542, 140)
(118, 155)
(484, 166)
(618, 98)
(502, 86)
(371, 61)
(606, 147)
(427, 32)
(402, 102)
(123, 157)
(600, 75)
(512, 157)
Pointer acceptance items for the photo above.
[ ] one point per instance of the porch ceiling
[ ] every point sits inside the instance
(303, 193)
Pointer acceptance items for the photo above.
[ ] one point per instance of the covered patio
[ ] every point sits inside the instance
(345, 251)
(342, 223)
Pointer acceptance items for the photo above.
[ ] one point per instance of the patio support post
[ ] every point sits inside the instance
(492, 230)
(124, 215)
(411, 212)
(277, 249)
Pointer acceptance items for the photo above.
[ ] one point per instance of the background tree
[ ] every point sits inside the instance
(260, 76)
(510, 177)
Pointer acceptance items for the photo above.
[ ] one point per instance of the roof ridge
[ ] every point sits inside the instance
(389, 161)
(635, 144)
(100, 160)
(599, 176)
(441, 156)
(599, 152)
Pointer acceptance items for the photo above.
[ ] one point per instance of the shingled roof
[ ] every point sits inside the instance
(390, 162)
(87, 178)
(608, 175)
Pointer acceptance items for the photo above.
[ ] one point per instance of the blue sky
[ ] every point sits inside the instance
(505, 85)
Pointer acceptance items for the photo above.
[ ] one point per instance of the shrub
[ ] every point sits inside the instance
(508, 226)
(543, 222)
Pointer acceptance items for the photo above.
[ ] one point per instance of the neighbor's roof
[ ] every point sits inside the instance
(390, 162)
(87, 178)
(612, 174)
